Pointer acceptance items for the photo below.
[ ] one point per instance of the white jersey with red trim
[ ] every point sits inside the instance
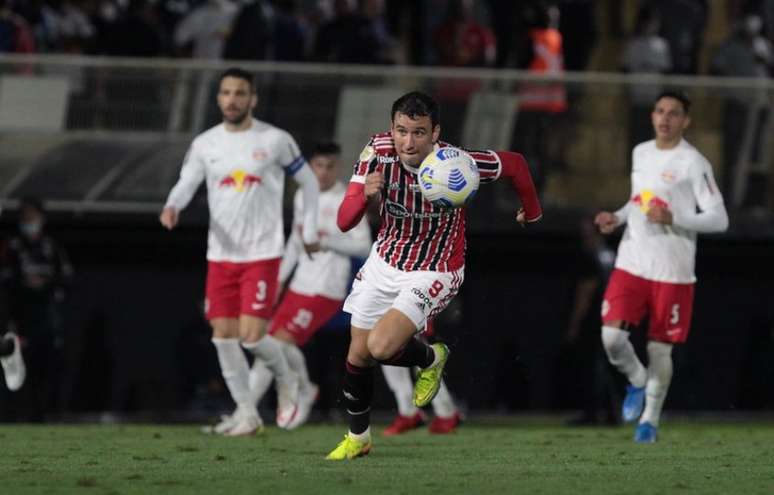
(415, 234)
(245, 177)
(327, 272)
(681, 180)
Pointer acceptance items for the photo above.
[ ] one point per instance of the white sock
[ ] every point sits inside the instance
(362, 437)
(443, 404)
(268, 350)
(621, 354)
(259, 379)
(659, 378)
(398, 378)
(297, 362)
(233, 366)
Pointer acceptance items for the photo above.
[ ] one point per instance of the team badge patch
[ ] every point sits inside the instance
(367, 154)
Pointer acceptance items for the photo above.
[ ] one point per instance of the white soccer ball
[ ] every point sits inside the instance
(448, 177)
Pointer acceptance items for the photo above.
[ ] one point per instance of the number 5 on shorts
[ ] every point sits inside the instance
(675, 314)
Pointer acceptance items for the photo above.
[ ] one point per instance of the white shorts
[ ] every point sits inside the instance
(419, 294)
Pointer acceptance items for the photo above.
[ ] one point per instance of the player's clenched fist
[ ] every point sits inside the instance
(606, 222)
(659, 214)
(374, 183)
(168, 217)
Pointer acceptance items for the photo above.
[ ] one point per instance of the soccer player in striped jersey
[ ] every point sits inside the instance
(416, 265)
(243, 162)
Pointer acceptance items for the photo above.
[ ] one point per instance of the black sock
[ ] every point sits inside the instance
(6, 346)
(358, 391)
(414, 353)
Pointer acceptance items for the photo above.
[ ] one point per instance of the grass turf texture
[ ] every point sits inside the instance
(512, 456)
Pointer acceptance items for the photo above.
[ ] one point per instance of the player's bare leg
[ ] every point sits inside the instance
(266, 348)
(393, 342)
(659, 378)
(620, 353)
(307, 391)
(233, 366)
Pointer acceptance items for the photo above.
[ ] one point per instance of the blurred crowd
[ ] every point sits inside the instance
(667, 38)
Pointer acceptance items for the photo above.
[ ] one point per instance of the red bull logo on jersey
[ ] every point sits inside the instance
(646, 200)
(239, 180)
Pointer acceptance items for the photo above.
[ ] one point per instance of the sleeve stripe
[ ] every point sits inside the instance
(295, 165)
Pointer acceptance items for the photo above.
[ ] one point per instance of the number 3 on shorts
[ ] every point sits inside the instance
(260, 294)
(675, 314)
(435, 289)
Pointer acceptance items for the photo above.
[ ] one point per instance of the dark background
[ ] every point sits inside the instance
(136, 341)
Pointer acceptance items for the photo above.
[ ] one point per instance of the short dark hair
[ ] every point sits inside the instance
(677, 95)
(32, 202)
(239, 74)
(326, 148)
(416, 104)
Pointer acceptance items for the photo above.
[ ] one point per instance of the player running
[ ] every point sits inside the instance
(673, 197)
(410, 417)
(319, 284)
(416, 264)
(243, 162)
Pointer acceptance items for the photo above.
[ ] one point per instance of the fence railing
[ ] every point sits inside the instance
(102, 132)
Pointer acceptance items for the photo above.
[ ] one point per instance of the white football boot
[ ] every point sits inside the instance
(287, 399)
(13, 365)
(248, 422)
(227, 421)
(306, 399)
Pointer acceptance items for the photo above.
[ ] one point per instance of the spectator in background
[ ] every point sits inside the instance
(460, 41)
(289, 33)
(644, 53)
(138, 34)
(251, 33)
(577, 25)
(356, 36)
(541, 103)
(36, 275)
(67, 27)
(507, 27)
(683, 23)
(746, 53)
(15, 34)
(203, 32)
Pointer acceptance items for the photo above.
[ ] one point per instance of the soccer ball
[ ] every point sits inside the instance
(448, 177)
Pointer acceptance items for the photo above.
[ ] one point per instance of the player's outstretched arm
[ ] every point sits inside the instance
(515, 168)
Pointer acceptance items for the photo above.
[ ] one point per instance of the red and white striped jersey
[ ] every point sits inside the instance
(415, 234)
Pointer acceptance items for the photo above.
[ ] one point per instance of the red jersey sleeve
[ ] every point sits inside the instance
(514, 167)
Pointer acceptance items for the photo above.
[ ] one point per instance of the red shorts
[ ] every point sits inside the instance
(629, 298)
(301, 316)
(235, 289)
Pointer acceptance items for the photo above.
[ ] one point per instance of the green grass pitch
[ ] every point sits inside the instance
(503, 457)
